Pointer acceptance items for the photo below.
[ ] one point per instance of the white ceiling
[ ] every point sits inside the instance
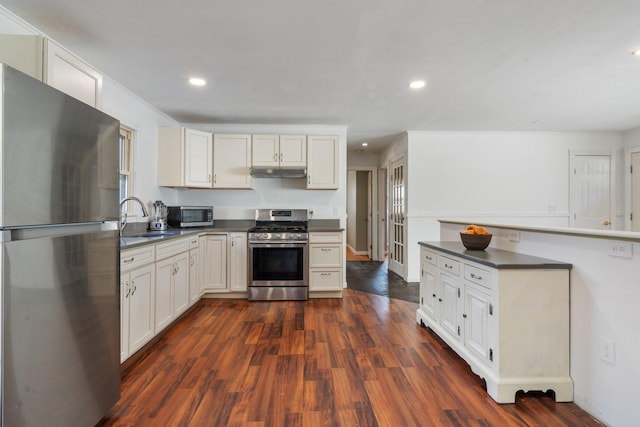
(489, 64)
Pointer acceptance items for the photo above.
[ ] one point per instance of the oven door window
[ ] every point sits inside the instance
(278, 263)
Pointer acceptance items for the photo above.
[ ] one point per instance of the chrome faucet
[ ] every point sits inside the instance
(123, 221)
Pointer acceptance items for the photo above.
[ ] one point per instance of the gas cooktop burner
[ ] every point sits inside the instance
(270, 228)
(280, 224)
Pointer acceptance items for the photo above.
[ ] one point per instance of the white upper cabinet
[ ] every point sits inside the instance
(265, 150)
(232, 161)
(322, 162)
(70, 75)
(185, 158)
(46, 61)
(279, 150)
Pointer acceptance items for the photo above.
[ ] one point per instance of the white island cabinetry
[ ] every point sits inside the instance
(505, 314)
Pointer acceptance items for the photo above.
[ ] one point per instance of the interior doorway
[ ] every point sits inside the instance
(634, 215)
(362, 214)
(397, 237)
(591, 191)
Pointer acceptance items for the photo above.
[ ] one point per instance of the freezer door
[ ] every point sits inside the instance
(59, 156)
(61, 327)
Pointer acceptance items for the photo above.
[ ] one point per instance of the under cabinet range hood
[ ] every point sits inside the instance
(267, 172)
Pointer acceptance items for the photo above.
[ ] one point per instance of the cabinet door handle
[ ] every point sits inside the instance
(126, 261)
(126, 285)
(209, 178)
(275, 156)
(193, 260)
(281, 157)
(434, 295)
(439, 299)
(308, 179)
(464, 315)
(133, 291)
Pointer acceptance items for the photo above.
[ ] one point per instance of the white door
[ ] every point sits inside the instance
(591, 191)
(396, 220)
(635, 191)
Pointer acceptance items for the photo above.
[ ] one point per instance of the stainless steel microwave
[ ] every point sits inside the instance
(190, 216)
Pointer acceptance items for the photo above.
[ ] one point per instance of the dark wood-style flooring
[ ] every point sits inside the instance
(374, 277)
(357, 361)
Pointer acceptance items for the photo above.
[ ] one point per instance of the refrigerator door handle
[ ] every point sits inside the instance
(37, 232)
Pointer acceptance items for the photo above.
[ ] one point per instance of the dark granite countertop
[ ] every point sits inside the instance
(496, 258)
(324, 225)
(132, 236)
(133, 232)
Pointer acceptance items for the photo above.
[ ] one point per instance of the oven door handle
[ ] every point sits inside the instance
(276, 243)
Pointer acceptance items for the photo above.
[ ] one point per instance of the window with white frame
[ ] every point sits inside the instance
(126, 165)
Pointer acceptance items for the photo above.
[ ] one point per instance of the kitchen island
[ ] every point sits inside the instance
(604, 315)
(506, 314)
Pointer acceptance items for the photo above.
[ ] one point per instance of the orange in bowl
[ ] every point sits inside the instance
(475, 238)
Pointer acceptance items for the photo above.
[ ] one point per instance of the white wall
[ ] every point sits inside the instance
(604, 295)
(506, 177)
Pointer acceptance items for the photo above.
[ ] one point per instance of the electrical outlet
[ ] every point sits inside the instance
(608, 351)
(514, 236)
(621, 249)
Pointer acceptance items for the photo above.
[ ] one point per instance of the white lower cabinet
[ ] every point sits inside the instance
(505, 314)
(172, 281)
(137, 293)
(237, 262)
(325, 261)
(213, 251)
(194, 272)
(224, 262)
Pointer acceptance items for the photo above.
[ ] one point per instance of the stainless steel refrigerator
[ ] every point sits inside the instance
(60, 297)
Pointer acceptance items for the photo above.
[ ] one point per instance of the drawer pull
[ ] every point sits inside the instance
(126, 261)
(325, 274)
(473, 276)
(450, 267)
(325, 249)
(428, 257)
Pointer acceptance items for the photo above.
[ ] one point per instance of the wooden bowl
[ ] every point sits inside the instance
(475, 242)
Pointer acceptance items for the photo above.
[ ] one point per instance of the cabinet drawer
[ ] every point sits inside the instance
(325, 237)
(449, 265)
(429, 257)
(325, 279)
(325, 255)
(194, 241)
(171, 248)
(477, 275)
(131, 258)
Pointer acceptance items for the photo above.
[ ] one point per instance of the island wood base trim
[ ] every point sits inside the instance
(501, 389)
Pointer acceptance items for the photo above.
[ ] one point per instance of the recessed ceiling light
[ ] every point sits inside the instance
(417, 84)
(636, 52)
(196, 81)
(365, 144)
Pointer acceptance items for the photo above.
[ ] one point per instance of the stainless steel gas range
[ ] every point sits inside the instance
(278, 255)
